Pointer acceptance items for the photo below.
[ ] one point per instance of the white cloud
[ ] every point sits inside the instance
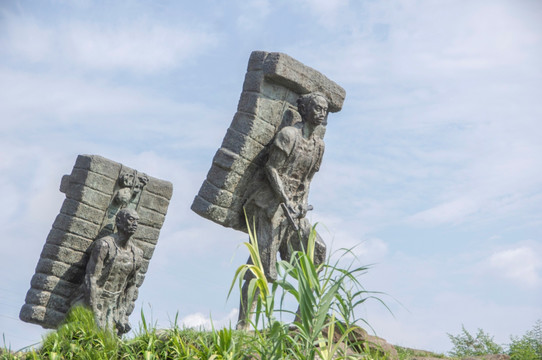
(450, 212)
(26, 38)
(200, 321)
(47, 103)
(140, 46)
(522, 265)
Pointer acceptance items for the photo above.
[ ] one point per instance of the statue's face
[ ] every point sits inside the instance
(129, 224)
(316, 111)
(127, 180)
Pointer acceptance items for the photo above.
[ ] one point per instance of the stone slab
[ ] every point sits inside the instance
(86, 213)
(273, 83)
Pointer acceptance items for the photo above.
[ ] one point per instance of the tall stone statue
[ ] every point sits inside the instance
(269, 155)
(109, 287)
(279, 202)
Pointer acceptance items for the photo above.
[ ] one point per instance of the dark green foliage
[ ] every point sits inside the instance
(466, 344)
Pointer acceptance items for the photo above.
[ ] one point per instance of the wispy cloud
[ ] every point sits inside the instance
(138, 46)
(200, 321)
(522, 265)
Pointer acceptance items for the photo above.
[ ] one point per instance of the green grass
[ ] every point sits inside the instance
(324, 327)
(327, 296)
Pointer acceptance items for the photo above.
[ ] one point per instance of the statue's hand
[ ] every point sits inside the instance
(123, 328)
(303, 208)
(291, 207)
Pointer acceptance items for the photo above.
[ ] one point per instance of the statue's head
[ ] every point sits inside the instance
(313, 108)
(126, 179)
(126, 221)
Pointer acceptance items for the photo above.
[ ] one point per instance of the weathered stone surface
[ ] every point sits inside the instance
(223, 179)
(255, 62)
(72, 273)
(212, 211)
(87, 196)
(91, 179)
(302, 79)
(96, 190)
(151, 218)
(52, 283)
(76, 226)
(214, 194)
(229, 160)
(154, 202)
(99, 165)
(47, 299)
(367, 342)
(253, 127)
(147, 233)
(269, 110)
(147, 248)
(70, 241)
(65, 254)
(72, 208)
(41, 315)
(253, 81)
(272, 85)
(160, 187)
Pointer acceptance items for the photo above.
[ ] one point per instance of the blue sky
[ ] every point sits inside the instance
(433, 168)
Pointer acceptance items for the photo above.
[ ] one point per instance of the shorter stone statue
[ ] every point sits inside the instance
(109, 287)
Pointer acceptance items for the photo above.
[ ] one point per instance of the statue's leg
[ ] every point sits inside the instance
(320, 251)
(295, 243)
(245, 309)
(300, 244)
(267, 236)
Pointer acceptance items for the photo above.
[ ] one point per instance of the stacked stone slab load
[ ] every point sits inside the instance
(273, 83)
(61, 267)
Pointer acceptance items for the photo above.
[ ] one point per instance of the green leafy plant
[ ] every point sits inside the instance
(327, 296)
(529, 346)
(80, 335)
(465, 344)
(324, 324)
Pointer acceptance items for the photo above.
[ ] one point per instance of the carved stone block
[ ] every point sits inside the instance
(272, 85)
(95, 191)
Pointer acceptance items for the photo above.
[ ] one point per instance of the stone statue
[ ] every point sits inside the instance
(96, 191)
(279, 202)
(268, 157)
(109, 287)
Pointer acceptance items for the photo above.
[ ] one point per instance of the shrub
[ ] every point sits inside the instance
(466, 344)
(529, 346)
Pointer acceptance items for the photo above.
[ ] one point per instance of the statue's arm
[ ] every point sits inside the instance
(278, 155)
(131, 291)
(93, 273)
(304, 207)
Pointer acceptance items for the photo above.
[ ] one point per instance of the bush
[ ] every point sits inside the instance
(467, 345)
(529, 346)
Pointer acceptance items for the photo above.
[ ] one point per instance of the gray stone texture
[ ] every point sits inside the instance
(273, 83)
(90, 191)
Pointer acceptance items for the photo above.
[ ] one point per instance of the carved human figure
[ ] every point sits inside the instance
(279, 201)
(109, 287)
